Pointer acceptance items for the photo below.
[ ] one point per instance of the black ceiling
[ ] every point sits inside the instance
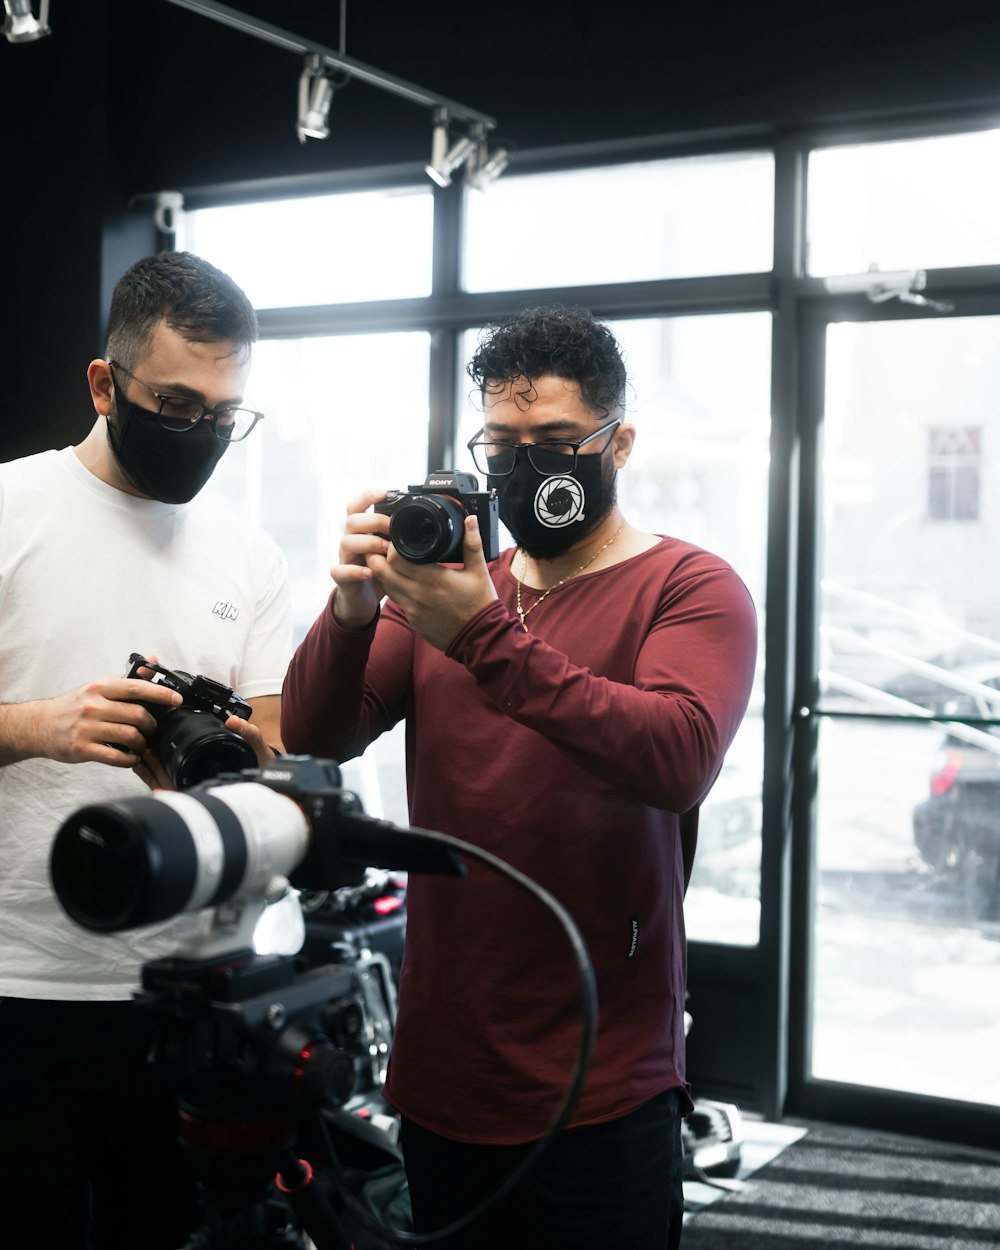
(211, 100)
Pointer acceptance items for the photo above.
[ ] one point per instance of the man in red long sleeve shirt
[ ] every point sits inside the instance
(564, 705)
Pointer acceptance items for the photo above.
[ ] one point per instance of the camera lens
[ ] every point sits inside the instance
(105, 868)
(195, 746)
(428, 529)
(137, 861)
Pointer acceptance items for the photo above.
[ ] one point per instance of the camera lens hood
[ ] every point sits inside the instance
(134, 862)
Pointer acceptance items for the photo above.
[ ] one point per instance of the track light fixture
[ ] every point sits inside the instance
(488, 167)
(21, 26)
(444, 159)
(315, 97)
(318, 82)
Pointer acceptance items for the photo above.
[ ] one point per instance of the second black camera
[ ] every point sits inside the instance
(191, 740)
(427, 522)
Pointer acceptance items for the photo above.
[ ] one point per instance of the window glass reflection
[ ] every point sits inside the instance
(907, 890)
(699, 471)
(622, 223)
(323, 249)
(915, 203)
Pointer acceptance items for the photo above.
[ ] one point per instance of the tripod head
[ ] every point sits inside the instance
(251, 1046)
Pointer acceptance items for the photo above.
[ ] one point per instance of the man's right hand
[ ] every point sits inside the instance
(101, 722)
(358, 591)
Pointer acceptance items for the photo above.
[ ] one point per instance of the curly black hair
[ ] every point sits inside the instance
(565, 342)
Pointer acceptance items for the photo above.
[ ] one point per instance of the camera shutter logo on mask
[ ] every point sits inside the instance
(559, 501)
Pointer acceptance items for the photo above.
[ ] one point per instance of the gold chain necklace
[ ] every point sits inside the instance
(521, 612)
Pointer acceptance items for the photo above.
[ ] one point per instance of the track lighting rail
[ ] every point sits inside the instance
(329, 59)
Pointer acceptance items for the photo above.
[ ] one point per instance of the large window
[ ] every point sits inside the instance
(699, 471)
(322, 249)
(911, 203)
(907, 886)
(837, 445)
(622, 223)
(333, 427)
(348, 411)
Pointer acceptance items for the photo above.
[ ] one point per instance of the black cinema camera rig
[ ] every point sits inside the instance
(254, 1046)
(262, 1052)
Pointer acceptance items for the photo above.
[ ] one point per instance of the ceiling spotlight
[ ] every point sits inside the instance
(315, 97)
(21, 26)
(489, 169)
(444, 159)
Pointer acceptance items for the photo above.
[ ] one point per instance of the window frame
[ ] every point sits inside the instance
(758, 994)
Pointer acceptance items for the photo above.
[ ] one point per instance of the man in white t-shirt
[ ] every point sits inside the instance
(104, 551)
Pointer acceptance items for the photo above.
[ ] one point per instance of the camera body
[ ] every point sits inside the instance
(191, 740)
(427, 522)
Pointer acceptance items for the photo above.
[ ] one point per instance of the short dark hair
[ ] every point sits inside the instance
(565, 342)
(189, 294)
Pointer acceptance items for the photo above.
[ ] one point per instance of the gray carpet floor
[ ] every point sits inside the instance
(842, 1187)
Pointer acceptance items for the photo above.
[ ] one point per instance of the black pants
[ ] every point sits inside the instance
(88, 1154)
(614, 1186)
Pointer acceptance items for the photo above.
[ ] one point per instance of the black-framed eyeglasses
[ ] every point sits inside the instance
(179, 413)
(497, 457)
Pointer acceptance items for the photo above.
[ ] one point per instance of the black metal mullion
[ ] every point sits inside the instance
(449, 221)
(448, 308)
(812, 355)
(781, 595)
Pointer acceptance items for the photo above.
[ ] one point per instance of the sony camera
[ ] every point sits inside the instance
(427, 522)
(191, 740)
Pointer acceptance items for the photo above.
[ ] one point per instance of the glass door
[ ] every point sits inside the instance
(903, 982)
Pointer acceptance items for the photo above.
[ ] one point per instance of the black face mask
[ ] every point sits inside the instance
(548, 515)
(166, 466)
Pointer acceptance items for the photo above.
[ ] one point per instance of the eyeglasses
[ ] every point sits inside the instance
(498, 458)
(179, 413)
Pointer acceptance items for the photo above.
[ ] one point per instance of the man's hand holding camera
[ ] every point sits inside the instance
(151, 771)
(102, 722)
(150, 768)
(115, 720)
(438, 599)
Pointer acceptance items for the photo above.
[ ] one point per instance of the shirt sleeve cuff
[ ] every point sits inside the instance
(366, 632)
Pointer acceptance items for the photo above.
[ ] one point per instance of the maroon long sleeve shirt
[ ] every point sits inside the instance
(568, 752)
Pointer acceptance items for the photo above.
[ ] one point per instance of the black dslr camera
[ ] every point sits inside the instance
(191, 740)
(426, 525)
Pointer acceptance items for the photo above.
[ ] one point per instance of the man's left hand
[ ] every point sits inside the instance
(437, 599)
(251, 733)
(151, 771)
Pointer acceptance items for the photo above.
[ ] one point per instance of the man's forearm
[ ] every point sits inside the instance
(324, 709)
(20, 732)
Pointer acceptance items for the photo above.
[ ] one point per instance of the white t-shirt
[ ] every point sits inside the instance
(89, 574)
